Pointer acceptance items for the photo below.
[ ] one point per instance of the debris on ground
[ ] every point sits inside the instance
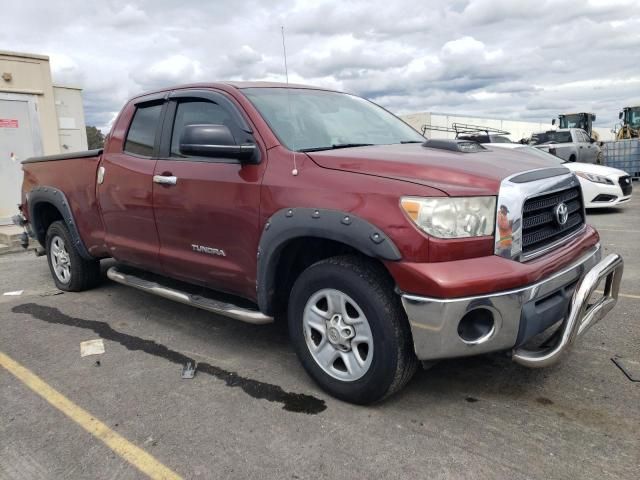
(92, 347)
(51, 293)
(14, 294)
(189, 370)
(631, 368)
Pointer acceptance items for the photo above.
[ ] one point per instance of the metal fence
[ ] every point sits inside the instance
(624, 155)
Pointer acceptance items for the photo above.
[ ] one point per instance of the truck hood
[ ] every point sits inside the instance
(454, 173)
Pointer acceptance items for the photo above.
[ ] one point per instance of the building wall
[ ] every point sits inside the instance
(35, 119)
(518, 129)
(31, 75)
(71, 127)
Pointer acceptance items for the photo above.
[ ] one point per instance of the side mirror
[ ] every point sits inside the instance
(593, 118)
(620, 116)
(208, 140)
(553, 121)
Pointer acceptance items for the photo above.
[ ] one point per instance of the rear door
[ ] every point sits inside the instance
(207, 215)
(125, 186)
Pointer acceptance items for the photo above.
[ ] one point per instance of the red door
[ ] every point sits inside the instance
(125, 187)
(207, 209)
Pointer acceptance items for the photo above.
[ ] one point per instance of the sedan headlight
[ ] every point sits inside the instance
(592, 177)
(452, 217)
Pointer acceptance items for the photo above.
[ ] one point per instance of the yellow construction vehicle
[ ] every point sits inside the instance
(583, 120)
(630, 127)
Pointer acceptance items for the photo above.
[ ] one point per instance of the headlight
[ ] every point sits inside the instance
(452, 217)
(592, 177)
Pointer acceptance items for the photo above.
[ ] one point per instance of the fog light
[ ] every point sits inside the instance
(476, 326)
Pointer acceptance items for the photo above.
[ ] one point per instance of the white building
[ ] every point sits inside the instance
(36, 118)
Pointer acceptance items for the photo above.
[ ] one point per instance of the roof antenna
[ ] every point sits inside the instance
(294, 172)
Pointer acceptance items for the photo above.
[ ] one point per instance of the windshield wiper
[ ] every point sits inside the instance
(413, 141)
(335, 147)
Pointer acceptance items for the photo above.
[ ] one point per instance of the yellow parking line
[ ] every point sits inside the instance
(626, 295)
(120, 445)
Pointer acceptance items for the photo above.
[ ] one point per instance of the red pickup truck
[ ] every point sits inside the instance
(383, 248)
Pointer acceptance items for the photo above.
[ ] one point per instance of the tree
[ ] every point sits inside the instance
(95, 138)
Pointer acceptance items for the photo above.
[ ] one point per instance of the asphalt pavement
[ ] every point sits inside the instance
(252, 412)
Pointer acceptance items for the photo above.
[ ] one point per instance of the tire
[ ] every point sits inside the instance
(572, 158)
(380, 351)
(69, 270)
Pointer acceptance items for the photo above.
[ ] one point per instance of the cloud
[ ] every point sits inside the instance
(172, 70)
(128, 16)
(526, 59)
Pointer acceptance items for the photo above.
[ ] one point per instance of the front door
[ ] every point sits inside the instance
(207, 211)
(125, 187)
(585, 149)
(591, 148)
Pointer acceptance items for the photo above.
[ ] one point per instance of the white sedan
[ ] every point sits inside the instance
(601, 186)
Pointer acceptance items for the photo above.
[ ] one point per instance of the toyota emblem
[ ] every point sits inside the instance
(562, 213)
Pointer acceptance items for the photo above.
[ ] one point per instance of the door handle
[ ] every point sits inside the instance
(100, 175)
(165, 179)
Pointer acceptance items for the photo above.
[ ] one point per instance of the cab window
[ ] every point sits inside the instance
(142, 132)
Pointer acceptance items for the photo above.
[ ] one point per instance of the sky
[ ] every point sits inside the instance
(515, 59)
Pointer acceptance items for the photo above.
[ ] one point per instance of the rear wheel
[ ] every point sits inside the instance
(69, 270)
(350, 331)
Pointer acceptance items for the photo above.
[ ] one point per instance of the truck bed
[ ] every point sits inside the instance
(73, 174)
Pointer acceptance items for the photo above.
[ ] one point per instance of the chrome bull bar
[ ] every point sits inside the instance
(582, 314)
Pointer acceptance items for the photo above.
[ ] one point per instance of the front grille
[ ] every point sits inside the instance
(625, 185)
(539, 224)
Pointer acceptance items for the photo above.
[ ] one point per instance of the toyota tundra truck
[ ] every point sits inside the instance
(382, 249)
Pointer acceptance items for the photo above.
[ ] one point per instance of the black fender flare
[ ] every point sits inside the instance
(54, 196)
(290, 223)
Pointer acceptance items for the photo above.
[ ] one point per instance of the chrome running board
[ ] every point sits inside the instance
(208, 304)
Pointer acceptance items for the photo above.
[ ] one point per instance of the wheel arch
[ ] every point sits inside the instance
(48, 204)
(295, 238)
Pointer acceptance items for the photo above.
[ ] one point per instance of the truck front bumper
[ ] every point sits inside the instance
(504, 321)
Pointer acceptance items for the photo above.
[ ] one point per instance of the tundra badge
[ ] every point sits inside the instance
(209, 250)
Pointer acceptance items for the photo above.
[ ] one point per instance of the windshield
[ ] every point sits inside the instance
(573, 121)
(541, 154)
(500, 139)
(305, 119)
(551, 137)
(634, 116)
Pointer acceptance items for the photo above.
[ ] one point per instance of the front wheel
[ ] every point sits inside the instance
(350, 331)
